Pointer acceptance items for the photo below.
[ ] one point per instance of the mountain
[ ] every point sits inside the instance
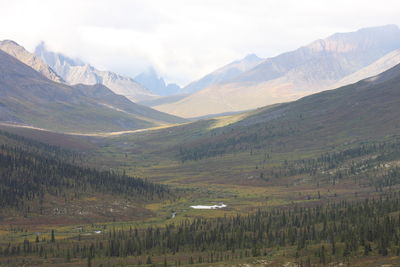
(151, 80)
(368, 110)
(77, 72)
(15, 50)
(289, 76)
(224, 74)
(27, 97)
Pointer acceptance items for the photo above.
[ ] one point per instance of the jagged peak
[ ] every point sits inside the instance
(251, 56)
(51, 57)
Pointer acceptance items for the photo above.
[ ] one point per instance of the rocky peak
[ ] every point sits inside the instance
(36, 63)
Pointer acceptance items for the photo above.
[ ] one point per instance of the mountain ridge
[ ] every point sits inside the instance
(312, 68)
(224, 73)
(77, 72)
(17, 51)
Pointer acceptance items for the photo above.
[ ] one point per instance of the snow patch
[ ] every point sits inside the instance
(209, 207)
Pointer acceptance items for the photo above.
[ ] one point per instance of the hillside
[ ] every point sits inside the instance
(27, 97)
(108, 98)
(289, 76)
(366, 110)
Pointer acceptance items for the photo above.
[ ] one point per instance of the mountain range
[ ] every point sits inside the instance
(323, 64)
(146, 86)
(29, 97)
(72, 87)
(77, 72)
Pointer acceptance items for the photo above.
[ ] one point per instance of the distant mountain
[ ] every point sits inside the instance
(76, 72)
(17, 51)
(289, 76)
(28, 97)
(151, 80)
(224, 74)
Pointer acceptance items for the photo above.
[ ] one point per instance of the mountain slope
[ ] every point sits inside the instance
(27, 97)
(384, 63)
(224, 74)
(76, 72)
(289, 76)
(108, 98)
(17, 51)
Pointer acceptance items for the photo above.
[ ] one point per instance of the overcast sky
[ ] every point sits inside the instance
(182, 39)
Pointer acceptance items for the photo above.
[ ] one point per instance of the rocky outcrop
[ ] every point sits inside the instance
(36, 63)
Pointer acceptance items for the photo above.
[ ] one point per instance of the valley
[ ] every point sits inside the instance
(302, 157)
(289, 160)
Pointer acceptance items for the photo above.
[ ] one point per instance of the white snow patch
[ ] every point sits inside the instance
(207, 207)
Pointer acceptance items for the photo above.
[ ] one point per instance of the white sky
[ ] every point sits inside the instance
(182, 39)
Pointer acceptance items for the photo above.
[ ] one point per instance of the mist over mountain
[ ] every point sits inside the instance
(76, 72)
(289, 76)
(156, 84)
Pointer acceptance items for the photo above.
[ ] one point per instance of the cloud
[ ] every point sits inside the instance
(183, 39)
